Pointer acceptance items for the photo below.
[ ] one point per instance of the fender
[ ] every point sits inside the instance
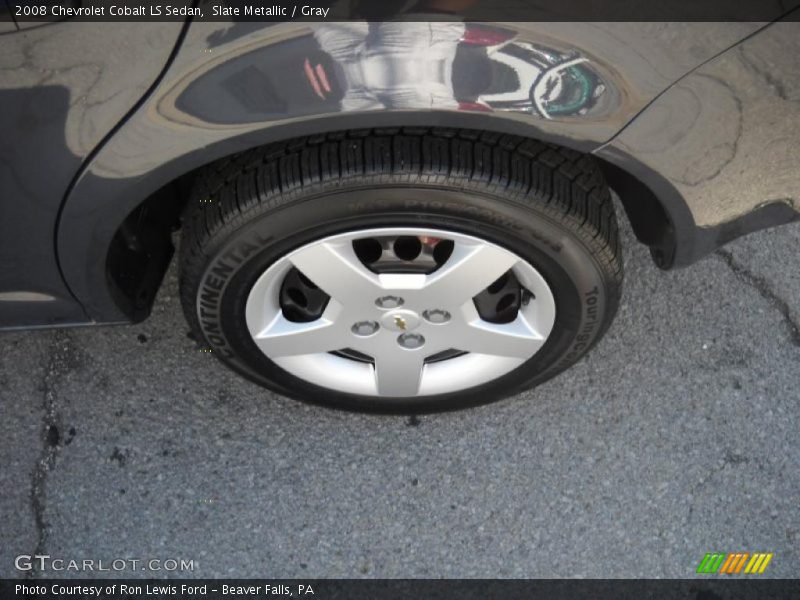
(235, 87)
(702, 144)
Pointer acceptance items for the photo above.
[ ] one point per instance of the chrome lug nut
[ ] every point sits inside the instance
(365, 328)
(411, 340)
(388, 302)
(436, 316)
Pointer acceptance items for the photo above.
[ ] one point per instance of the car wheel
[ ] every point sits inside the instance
(401, 271)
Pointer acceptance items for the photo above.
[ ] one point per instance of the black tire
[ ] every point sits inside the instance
(548, 204)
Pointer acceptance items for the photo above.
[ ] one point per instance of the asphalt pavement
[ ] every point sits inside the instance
(676, 436)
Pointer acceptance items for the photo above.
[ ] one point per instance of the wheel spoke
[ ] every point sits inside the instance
(399, 373)
(517, 339)
(335, 268)
(469, 270)
(287, 338)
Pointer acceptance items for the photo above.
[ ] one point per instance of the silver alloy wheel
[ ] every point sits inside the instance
(399, 320)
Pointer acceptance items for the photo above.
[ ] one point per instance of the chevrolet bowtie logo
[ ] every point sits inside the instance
(400, 322)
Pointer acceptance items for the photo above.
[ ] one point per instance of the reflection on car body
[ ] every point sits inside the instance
(360, 66)
(467, 66)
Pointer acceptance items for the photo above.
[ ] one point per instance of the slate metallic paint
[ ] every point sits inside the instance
(63, 87)
(678, 106)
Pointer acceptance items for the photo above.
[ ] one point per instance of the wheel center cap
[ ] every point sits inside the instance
(400, 320)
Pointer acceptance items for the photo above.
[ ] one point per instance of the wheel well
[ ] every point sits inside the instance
(142, 247)
(650, 221)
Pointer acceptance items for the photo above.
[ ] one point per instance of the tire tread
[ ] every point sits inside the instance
(566, 185)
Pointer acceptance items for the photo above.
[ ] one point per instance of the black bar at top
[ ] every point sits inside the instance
(415, 10)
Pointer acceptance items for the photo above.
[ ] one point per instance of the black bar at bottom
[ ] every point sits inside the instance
(397, 589)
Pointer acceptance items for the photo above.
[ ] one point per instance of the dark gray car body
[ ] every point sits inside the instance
(103, 128)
